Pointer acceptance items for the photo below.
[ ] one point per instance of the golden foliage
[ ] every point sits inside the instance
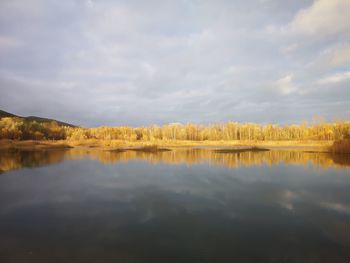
(20, 129)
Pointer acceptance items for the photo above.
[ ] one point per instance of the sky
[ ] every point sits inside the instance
(137, 63)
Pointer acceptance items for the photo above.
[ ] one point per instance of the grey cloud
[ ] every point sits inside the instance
(139, 63)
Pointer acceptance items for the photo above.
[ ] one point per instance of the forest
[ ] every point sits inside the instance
(15, 128)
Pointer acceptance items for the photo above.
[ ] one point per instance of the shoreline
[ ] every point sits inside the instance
(129, 145)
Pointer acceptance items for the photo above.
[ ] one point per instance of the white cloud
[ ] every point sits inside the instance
(285, 85)
(341, 55)
(324, 17)
(335, 78)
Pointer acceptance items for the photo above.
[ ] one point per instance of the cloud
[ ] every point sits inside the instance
(138, 63)
(286, 85)
(340, 56)
(8, 43)
(323, 18)
(335, 78)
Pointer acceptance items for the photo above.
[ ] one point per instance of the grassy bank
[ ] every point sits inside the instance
(160, 144)
(32, 145)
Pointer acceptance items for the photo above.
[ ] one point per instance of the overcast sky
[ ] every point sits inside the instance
(153, 62)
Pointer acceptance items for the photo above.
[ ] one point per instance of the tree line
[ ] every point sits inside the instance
(21, 129)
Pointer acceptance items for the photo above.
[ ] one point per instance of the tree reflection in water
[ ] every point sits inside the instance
(189, 156)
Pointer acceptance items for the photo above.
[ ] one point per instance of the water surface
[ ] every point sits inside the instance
(187, 205)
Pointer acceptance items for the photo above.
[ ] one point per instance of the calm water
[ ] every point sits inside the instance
(179, 206)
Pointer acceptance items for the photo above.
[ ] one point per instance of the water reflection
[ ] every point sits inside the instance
(139, 207)
(13, 160)
(189, 156)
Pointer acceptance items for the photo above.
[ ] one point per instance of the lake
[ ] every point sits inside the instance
(185, 205)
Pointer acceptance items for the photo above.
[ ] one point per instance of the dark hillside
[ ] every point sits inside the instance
(4, 114)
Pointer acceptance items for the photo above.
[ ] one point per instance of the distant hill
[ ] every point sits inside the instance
(4, 114)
